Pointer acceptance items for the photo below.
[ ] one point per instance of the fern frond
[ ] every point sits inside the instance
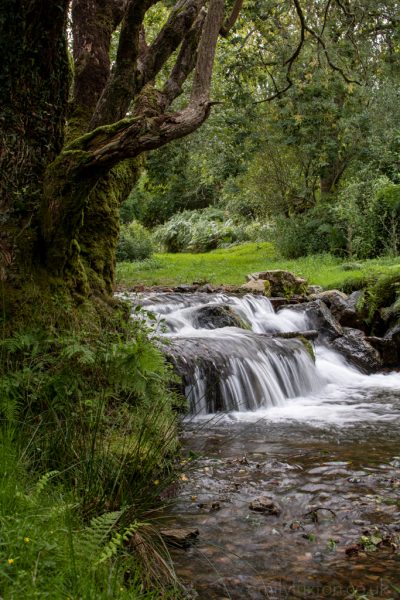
(94, 537)
(110, 550)
(43, 481)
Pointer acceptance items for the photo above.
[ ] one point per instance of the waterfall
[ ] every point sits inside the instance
(229, 368)
(231, 358)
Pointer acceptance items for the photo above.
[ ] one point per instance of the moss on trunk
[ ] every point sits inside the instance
(98, 236)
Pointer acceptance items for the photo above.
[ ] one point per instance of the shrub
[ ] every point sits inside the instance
(315, 231)
(87, 409)
(370, 210)
(135, 243)
(208, 229)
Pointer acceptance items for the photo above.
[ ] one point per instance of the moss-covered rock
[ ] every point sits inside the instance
(216, 316)
(281, 283)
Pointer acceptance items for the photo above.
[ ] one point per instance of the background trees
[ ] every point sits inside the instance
(301, 87)
(315, 93)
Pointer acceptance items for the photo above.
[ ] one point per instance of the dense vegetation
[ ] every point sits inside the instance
(314, 169)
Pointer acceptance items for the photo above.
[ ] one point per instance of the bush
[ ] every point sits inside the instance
(135, 243)
(201, 231)
(87, 411)
(315, 231)
(370, 211)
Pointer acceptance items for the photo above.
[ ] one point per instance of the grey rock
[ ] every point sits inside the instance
(180, 538)
(320, 318)
(343, 308)
(215, 316)
(357, 349)
(281, 283)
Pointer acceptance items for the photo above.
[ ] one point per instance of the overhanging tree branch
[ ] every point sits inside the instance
(185, 63)
(90, 157)
(168, 40)
(117, 94)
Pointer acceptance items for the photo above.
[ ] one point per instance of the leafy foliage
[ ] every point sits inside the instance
(134, 242)
(201, 231)
(88, 421)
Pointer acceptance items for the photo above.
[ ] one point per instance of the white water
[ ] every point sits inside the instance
(264, 378)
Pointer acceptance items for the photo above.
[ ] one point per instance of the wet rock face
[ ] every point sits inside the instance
(350, 342)
(217, 316)
(320, 318)
(281, 283)
(388, 347)
(343, 308)
(358, 350)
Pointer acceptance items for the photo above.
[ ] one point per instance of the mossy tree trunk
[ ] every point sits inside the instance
(69, 154)
(34, 87)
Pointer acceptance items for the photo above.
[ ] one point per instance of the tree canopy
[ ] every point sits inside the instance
(90, 86)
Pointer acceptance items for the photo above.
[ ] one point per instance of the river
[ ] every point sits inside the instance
(319, 440)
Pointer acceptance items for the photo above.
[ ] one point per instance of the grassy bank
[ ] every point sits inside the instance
(230, 266)
(88, 433)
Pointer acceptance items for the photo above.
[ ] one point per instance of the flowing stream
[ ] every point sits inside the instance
(319, 439)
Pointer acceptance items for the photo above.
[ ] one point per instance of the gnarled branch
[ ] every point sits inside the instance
(233, 17)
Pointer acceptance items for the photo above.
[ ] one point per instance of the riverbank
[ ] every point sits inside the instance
(229, 266)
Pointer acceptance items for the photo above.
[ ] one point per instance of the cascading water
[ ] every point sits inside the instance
(230, 368)
(237, 369)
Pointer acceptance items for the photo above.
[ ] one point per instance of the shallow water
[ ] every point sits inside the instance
(326, 451)
(349, 468)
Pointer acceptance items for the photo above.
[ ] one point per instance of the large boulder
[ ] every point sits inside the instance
(281, 283)
(343, 308)
(350, 342)
(216, 316)
(388, 347)
(320, 318)
(358, 350)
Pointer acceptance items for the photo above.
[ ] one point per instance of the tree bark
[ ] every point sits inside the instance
(34, 76)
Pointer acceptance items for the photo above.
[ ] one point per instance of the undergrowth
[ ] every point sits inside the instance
(88, 432)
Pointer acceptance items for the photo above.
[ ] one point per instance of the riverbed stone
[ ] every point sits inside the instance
(180, 538)
(265, 505)
(216, 316)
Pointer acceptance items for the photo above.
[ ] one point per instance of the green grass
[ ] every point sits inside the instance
(230, 266)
